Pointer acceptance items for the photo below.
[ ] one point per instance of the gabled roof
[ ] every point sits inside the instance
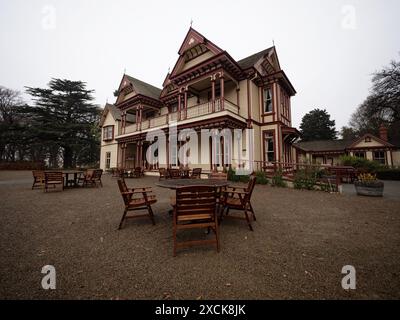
(144, 88)
(194, 38)
(113, 110)
(368, 135)
(250, 61)
(115, 113)
(323, 145)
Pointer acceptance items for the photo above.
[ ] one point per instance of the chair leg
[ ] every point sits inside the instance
(151, 214)
(174, 236)
(122, 220)
(252, 212)
(248, 220)
(217, 233)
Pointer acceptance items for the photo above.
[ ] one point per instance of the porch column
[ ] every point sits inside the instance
(124, 155)
(123, 121)
(222, 84)
(179, 105)
(238, 96)
(140, 116)
(141, 164)
(213, 93)
(167, 148)
(185, 103)
(137, 154)
(137, 118)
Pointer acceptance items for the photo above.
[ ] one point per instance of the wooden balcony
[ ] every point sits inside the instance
(193, 112)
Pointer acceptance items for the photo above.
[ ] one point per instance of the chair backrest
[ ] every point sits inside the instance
(97, 174)
(54, 176)
(196, 173)
(174, 173)
(38, 175)
(89, 174)
(219, 176)
(163, 172)
(250, 187)
(196, 200)
(123, 188)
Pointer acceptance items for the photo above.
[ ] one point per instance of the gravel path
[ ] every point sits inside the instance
(301, 241)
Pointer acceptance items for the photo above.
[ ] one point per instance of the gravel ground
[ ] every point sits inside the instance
(301, 241)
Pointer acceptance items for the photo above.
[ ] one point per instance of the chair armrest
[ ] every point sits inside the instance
(234, 192)
(146, 189)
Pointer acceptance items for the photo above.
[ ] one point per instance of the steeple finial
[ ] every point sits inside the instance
(191, 22)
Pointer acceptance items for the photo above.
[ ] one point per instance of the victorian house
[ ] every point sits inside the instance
(207, 88)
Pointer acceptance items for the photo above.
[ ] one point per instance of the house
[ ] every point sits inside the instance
(370, 147)
(206, 89)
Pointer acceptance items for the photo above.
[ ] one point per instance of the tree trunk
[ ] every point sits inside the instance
(68, 157)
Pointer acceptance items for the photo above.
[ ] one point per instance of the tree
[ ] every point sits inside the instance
(10, 131)
(317, 125)
(348, 133)
(382, 106)
(65, 120)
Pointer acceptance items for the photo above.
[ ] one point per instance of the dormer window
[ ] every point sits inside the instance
(267, 100)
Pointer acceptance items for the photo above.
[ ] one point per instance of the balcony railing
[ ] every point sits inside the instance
(192, 112)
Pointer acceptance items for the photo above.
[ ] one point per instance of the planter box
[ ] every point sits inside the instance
(370, 189)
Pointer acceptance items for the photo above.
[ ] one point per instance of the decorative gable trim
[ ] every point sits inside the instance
(368, 135)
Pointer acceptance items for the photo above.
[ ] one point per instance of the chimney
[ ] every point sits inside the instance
(383, 133)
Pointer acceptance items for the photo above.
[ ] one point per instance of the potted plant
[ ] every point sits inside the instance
(368, 185)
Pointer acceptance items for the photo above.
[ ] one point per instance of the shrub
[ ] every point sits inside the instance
(277, 180)
(305, 179)
(388, 174)
(261, 178)
(22, 165)
(361, 164)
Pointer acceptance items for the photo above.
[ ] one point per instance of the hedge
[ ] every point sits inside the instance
(22, 165)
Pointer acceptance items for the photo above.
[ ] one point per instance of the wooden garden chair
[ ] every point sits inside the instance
(96, 178)
(38, 179)
(163, 173)
(53, 179)
(196, 173)
(86, 178)
(138, 172)
(219, 176)
(237, 198)
(174, 173)
(195, 208)
(136, 199)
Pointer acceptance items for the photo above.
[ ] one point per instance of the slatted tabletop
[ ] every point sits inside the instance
(177, 183)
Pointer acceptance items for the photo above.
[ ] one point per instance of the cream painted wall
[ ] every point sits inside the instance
(396, 158)
(197, 60)
(113, 148)
(364, 144)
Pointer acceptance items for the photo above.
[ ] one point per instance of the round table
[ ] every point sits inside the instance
(177, 183)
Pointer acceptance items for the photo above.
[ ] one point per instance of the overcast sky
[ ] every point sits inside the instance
(328, 49)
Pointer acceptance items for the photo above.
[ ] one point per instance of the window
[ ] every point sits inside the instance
(173, 108)
(108, 160)
(359, 154)
(108, 133)
(379, 156)
(267, 100)
(368, 139)
(269, 147)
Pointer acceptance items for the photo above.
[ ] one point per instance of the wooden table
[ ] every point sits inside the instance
(69, 183)
(174, 184)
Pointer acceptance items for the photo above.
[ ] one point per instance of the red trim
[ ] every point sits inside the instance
(385, 143)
